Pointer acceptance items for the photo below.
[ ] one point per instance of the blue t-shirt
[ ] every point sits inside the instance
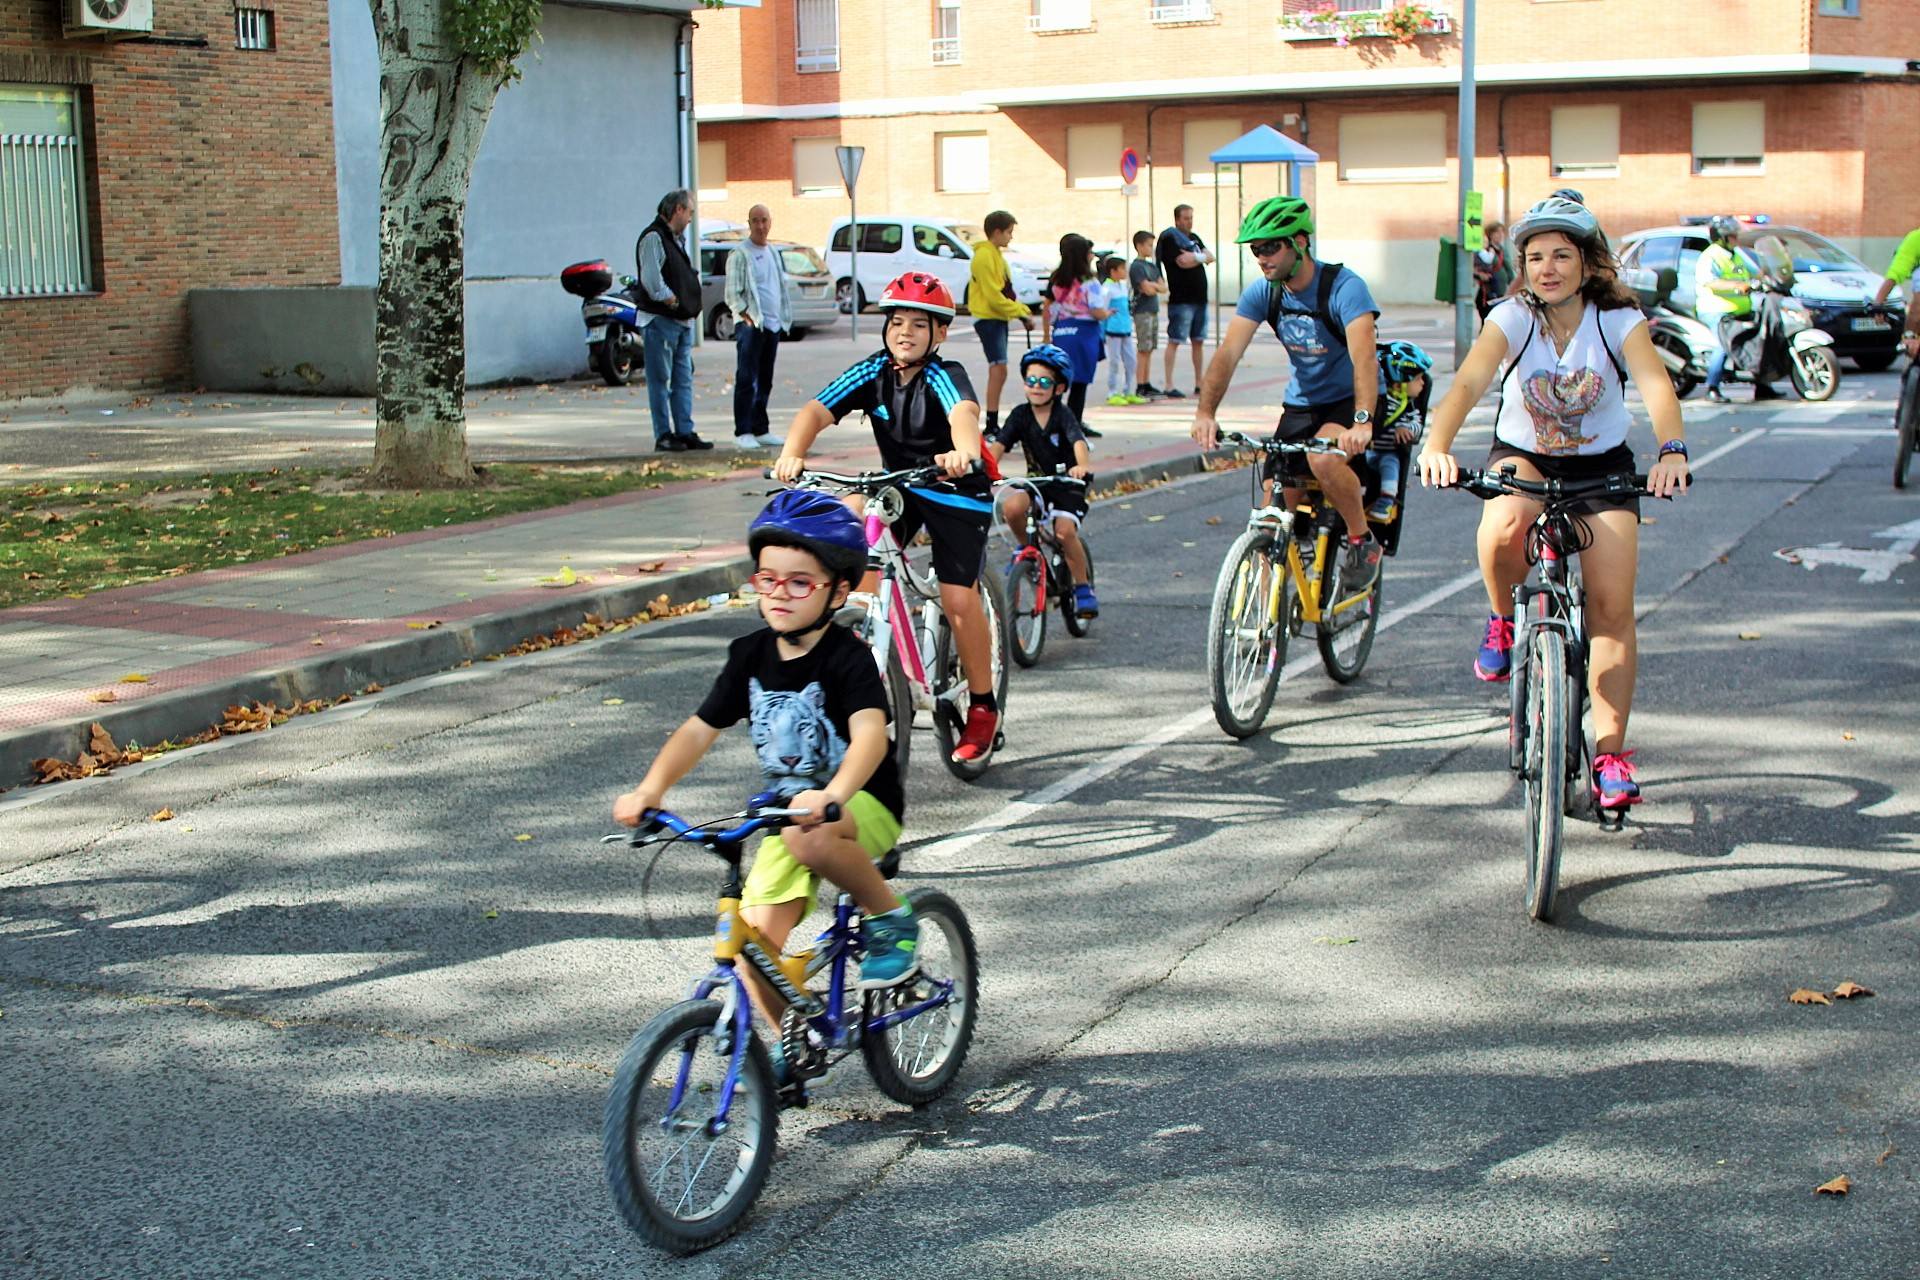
(1322, 368)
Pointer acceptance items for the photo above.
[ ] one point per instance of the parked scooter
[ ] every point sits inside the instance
(612, 319)
(1787, 341)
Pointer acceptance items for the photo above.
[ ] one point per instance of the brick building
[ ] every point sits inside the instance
(199, 161)
(1804, 109)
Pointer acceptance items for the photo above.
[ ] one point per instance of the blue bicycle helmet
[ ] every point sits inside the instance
(816, 523)
(1403, 361)
(1054, 358)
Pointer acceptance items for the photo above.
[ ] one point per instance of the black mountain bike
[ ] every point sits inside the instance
(1907, 420)
(1546, 744)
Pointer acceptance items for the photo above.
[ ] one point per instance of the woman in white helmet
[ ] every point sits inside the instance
(1561, 347)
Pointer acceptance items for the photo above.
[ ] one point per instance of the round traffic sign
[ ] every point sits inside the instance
(1129, 165)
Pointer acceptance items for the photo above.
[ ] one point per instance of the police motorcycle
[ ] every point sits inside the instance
(612, 318)
(1779, 339)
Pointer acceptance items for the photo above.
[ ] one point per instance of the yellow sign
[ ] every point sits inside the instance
(1473, 236)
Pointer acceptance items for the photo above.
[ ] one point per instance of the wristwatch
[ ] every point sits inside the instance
(1674, 446)
(1361, 417)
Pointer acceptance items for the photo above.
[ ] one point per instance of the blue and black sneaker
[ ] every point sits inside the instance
(1085, 603)
(892, 940)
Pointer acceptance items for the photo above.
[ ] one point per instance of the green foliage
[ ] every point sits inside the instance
(495, 33)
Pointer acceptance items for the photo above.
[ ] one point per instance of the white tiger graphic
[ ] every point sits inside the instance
(798, 746)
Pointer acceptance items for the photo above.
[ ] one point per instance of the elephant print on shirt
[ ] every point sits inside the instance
(1557, 402)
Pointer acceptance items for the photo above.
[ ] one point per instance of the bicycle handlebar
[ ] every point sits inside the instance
(1057, 476)
(763, 812)
(1315, 445)
(869, 481)
(1494, 484)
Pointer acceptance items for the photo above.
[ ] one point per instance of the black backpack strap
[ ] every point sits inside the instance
(1323, 293)
(1620, 370)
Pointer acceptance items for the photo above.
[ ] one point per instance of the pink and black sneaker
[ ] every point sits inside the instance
(1613, 784)
(1495, 659)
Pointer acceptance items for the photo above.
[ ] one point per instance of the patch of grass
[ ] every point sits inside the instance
(83, 536)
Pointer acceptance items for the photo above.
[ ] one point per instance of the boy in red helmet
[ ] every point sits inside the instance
(924, 413)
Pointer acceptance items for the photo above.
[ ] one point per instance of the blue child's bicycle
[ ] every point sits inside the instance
(690, 1121)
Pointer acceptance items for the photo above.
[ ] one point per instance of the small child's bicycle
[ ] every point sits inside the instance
(690, 1121)
(1038, 576)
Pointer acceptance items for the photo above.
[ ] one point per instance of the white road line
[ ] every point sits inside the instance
(1837, 433)
(1018, 811)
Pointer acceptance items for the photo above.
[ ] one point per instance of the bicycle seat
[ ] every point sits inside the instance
(890, 865)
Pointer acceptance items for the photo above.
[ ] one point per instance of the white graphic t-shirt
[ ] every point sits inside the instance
(1571, 403)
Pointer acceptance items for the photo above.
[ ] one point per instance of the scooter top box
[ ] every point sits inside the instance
(586, 279)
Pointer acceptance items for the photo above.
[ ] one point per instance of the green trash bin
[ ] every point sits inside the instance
(1443, 279)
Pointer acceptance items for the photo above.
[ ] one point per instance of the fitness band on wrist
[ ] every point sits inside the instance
(1674, 446)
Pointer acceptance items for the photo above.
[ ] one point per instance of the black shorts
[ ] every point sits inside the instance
(1300, 422)
(957, 522)
(1574, 466)
(1064, 499)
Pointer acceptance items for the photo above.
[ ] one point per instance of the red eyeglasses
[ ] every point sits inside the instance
(795, 586)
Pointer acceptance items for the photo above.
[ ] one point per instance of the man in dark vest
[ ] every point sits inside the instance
(669, 300)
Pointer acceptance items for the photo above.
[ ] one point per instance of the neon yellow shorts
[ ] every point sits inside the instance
(777, 876)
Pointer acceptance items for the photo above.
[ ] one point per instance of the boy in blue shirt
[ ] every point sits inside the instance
(1118, 328)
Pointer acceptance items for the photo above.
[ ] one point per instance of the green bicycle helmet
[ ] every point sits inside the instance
(1276, 218)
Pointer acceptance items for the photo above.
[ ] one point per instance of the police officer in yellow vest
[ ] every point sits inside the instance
(1724, 279)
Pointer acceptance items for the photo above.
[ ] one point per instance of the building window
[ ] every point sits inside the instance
(816, 169)
(1200, 139)
(1093, 156)
(1586, 142)
(1394, 146)
(253, 29)
(961, 162)
(43, 204)
(1174, 11)
(946, 31)
(816, 35)
(1840, 8)
(1729, 138)
(712, 159)
(1060, 15)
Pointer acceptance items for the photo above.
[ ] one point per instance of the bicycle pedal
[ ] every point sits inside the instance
(794, 1097)
(999, 741)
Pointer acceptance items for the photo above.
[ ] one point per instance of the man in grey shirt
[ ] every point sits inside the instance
(1146, 284)
(762, 313)
(669, 302)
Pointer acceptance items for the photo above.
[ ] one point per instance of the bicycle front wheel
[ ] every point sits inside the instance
(682, 1175)
(1026, 611)
(916, 1061)
(1908, 424)
(1347, 619)
(1545, 774)
(1247, 630)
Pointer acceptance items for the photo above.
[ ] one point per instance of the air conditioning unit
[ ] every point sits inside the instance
(110, 19)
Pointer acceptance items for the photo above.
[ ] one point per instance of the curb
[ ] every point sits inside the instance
(408, 657)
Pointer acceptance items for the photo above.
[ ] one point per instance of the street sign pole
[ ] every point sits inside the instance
(1129, 170)
(850, 158)
(1463, 260)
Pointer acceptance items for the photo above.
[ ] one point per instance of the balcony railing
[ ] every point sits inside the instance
(946, 49)
(1188, 11)
(1052, 15)
(1322, 20)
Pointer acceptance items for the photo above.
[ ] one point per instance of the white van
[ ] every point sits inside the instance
(890, 246)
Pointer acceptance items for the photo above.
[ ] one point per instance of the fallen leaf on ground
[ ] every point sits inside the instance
(1837, 1187)
(1804, 996)
(105, 695)
(1749, 635)
(1336, 942)
(161, 815)
(1850, 991)
(1213, 519)
(423, 626)
(133, 677)
(523, 837)
(493, 915)
(613, 702)
(1881, 1159)
(1155, 519)
(373, 688)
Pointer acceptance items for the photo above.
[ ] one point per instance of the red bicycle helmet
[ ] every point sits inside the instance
(918, 291)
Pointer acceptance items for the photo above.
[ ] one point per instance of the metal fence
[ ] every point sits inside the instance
(43, 242)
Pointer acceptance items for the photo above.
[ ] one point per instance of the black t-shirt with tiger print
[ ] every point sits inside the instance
(799, 709)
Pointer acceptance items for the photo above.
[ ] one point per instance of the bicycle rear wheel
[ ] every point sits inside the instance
(675, 1180)
(1247, 632)
(1545, 774)
(950, 691)
(1908, 424)
(916, 1061)
(1077, 626)
(1345, 632)
(1026, 611)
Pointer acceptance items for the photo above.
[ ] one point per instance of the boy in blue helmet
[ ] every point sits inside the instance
(1046, 431)
(1403, 379)
(818, 712)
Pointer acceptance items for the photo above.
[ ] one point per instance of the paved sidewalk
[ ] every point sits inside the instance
(327, 622)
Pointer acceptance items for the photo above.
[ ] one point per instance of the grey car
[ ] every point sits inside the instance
(807, 281)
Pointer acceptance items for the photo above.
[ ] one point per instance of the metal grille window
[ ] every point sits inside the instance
(816, 35)
(253, 28)
(43, 207)
(946, 31)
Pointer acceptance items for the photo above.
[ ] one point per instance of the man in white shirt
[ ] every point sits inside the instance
(762, 307)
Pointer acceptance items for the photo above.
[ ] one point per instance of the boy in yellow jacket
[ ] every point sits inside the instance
(990, 299)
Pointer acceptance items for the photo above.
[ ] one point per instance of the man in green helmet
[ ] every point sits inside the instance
(1324, 315)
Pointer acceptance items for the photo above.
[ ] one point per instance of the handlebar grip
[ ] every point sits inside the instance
(832, 813)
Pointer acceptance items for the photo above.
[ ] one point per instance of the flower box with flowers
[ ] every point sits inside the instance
(1401, 23)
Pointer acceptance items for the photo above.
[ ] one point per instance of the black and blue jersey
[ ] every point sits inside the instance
(911, 420)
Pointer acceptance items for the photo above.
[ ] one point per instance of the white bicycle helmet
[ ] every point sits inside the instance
(1556, 213)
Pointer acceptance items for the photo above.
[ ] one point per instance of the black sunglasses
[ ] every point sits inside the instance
(1267, 248)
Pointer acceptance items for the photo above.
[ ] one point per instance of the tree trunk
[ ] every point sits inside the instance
(434, 105)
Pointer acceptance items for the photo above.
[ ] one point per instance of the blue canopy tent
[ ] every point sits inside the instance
(1264, 144)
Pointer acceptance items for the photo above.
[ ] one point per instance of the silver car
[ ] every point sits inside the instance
(807, 282)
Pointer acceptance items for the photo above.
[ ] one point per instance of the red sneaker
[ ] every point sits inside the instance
(977, 740)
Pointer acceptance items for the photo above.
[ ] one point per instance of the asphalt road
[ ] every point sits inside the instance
(1249, 1009)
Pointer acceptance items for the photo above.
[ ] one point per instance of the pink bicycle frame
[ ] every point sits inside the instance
(898, 613)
